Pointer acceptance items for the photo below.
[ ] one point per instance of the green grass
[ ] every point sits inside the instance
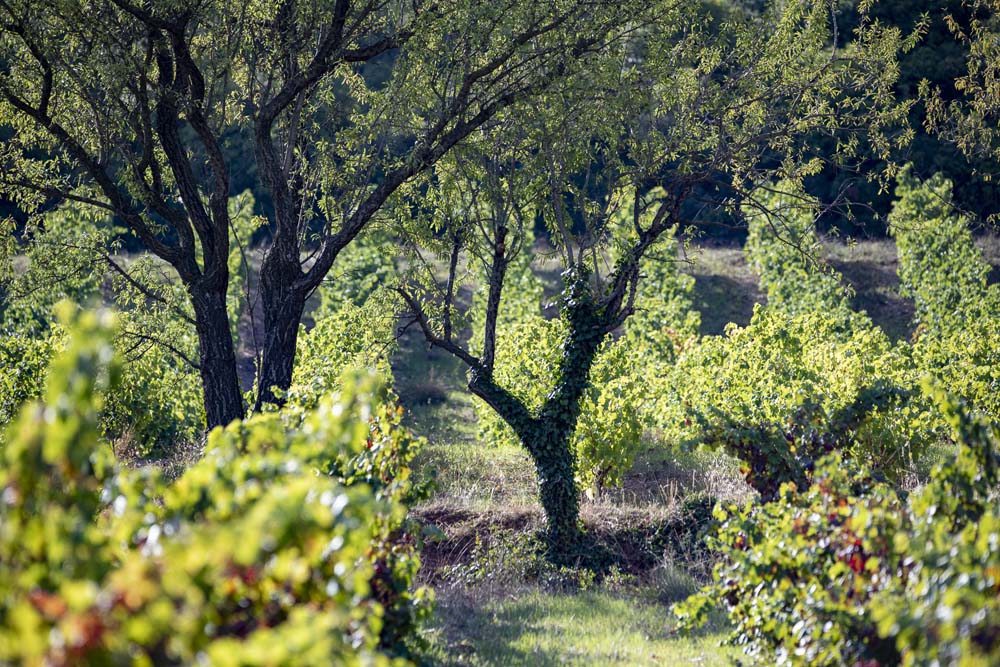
(480, 476)
(537, 629)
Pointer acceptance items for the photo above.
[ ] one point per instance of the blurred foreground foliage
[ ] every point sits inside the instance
(286, 544)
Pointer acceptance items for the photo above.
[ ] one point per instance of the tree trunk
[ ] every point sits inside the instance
(555, 463)
(551, 448)
(548, 434)
(283, 307)
(220, 384)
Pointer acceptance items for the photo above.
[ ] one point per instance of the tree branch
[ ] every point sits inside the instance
(446, 344)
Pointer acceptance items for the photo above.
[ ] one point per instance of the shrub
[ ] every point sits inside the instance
(349, 337)
(808, 374)
(24, 362)
(783, 249)
(158, 403)
(957, 313)
(851, 572)
(250, 558)
(62, 260)
(67, 255)
(354, 324)
(940, 267)
(784, 391)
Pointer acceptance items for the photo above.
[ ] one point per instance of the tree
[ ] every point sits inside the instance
(971, 119)
(686, 118)
(131, 108)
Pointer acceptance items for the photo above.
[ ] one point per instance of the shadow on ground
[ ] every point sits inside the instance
(721, 300)
(876, 291)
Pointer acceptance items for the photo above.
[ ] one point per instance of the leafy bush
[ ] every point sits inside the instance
(850, 572)
(784, 391)
(350, 337)
(807, 376)
(354, 324)
(24, 361)
(957, 313)
(250, 558)
(363, 269)
(158, 402)
(62, 260)
(783, 249)
(68, 255)
(940, 267)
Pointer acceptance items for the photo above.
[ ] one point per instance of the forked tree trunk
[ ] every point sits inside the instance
(547, 435)
(220, 383)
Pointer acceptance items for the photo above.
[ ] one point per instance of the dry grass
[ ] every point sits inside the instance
(172, 461)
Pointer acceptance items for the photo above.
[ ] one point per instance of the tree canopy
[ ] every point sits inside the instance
(673, 128)
(131, 108)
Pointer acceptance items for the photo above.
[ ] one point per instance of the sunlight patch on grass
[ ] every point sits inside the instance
(475, 475)
(588, 628)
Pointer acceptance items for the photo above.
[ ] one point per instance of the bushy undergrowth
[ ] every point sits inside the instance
(69, 254)
(839, 565)
(23, 360)
(287, 544)
(354, 323)
(850, 571)
(807, 376)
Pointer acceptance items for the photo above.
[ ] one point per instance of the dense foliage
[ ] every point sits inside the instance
(806, 376)
(354, 324)
(843, 566)
(618, 408)
(851, 571)
(72, 254)
(957, 312)
(285, 545)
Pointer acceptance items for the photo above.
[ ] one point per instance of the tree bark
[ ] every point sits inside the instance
(220, 384)
(283, 306)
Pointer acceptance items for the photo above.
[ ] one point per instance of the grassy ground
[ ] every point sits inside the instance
(725, 289)
(485, 506)
(535, 629)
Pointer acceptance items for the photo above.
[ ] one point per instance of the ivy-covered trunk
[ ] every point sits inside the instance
(550, 446)
(547, 434)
